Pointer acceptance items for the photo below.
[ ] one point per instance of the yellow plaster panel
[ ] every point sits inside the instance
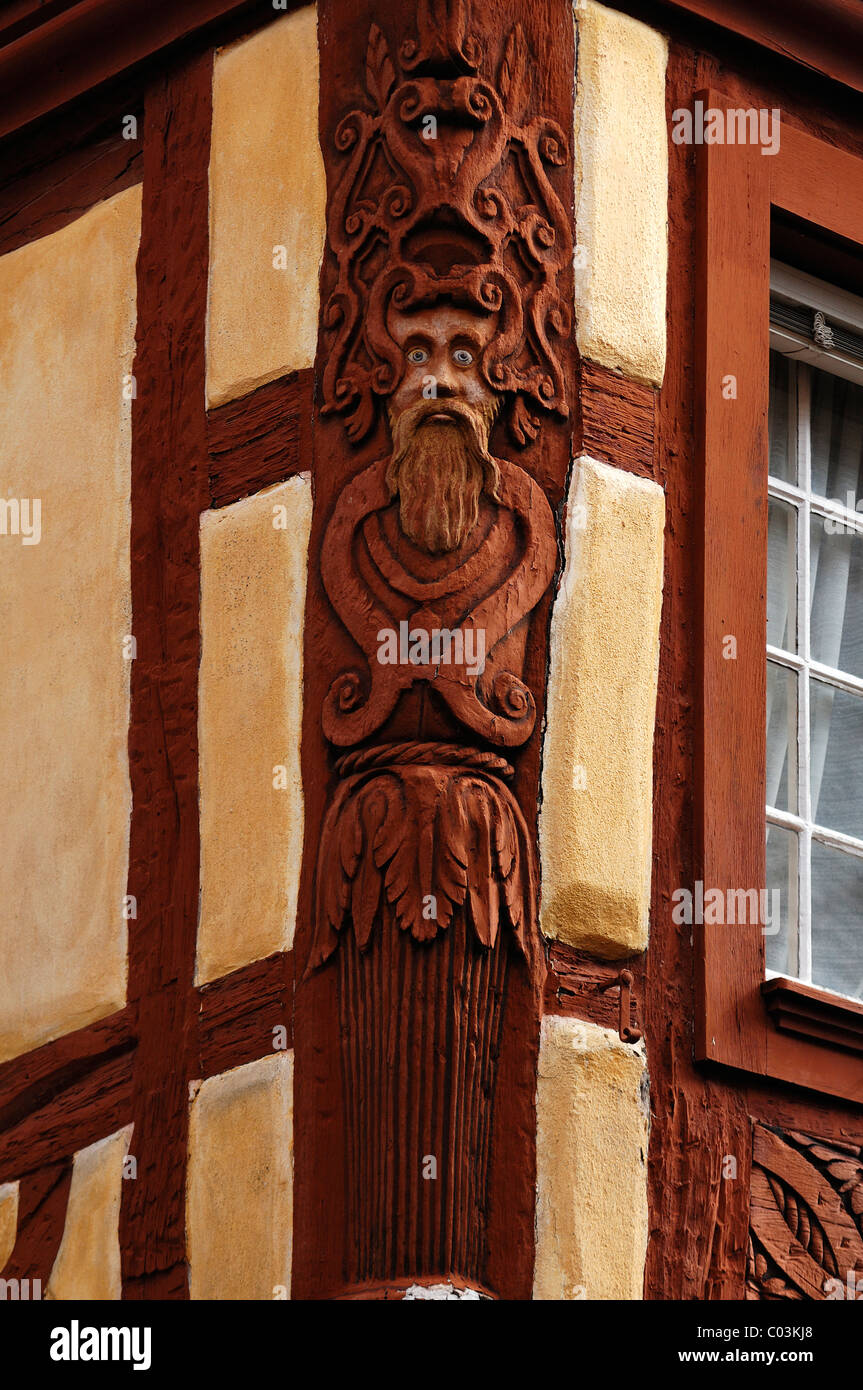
(8, 1220)
(267, 190)
(239, 1209)
(621, 192)
(67, 331)
(596, 817)
(253, 591)
(88, 1261)
(592, 1130)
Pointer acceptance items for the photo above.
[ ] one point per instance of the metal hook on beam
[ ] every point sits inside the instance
(626, 1032)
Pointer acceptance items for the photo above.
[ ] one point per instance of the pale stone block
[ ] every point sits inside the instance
(592, 1131)
(621, 192)
(8, 1220)
(88, 1261)
(239, 1199)
(253, 592)
(67, 337)
(597, 809)
(267, 190)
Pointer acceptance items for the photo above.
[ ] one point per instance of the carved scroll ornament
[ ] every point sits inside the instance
(446, 193)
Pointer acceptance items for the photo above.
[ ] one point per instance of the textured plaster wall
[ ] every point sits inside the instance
(267, 191)
(8, 1220)
(592, 1130)
(239, 1211)
(596, 813)
(621, 192)
(88, 1261)
(67, 328)
(253, 590)
(597, 766)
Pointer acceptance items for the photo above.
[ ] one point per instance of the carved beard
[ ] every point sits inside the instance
(441, 470)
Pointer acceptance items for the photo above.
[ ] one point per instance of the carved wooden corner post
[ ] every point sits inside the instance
(445, 316)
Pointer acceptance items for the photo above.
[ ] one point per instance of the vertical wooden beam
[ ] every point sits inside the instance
(169, 490)
(321, 1205)
(732, 341)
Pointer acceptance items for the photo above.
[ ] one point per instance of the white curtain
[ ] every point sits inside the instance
(837, 452)
(781, 583)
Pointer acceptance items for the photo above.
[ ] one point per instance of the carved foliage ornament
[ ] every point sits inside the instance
(806, 1217)
(446, 194)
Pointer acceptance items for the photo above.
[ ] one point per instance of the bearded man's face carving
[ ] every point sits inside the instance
(441, 464)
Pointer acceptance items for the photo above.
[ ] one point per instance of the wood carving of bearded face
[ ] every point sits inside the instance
(441, 416)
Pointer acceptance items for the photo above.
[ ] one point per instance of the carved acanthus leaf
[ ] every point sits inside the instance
(513, 78)
(380, 73)
(805, 1214)
(843, 1164)
(428, 839)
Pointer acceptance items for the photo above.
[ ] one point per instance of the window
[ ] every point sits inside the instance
(814, 761)
(779, 411)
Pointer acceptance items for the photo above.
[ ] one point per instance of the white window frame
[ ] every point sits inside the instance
(798, 288)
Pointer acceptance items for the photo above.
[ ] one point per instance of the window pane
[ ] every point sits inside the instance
(782, 575)
(836, 595)
(836, 758)
(836, 437)
(780, 422)
(780, 937)
(837, 920)
(781, 737)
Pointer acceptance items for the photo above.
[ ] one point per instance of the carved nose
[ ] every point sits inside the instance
(445, 387)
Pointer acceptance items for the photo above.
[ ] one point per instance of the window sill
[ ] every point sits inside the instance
(813, 1013)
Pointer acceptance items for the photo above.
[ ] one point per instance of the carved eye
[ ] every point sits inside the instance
(462, 357)
(418, 356)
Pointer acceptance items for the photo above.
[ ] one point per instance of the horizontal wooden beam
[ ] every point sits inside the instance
(823, 35)
(73, 49)
(52, 52)
(617, 419)
(580, 987)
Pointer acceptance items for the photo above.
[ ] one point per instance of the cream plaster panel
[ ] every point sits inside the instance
(621, 190)
(239, 1211)
(592, 1131)
(67, 330)
(267, 189)
(8, 1220)
(596, 816)
(88, 1261)
(253, 590)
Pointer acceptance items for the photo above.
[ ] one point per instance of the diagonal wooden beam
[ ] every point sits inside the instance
(239, 1013)
(261, 438)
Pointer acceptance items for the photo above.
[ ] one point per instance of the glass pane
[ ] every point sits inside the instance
(836, 758)
(836, 437)
(781, 737)
(780, 420)
(781, 575)
(780, 933)
(836, 595)
(837, 920)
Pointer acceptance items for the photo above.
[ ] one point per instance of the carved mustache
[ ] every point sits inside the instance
(455, 410)
(474, 422)
(466, 417)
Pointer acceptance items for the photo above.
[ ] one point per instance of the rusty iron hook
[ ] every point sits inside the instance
(626, 1032)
